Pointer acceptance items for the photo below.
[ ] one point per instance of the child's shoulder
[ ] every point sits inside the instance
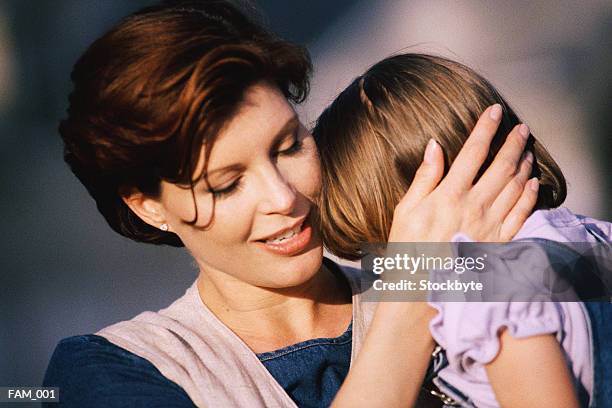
(561, 224)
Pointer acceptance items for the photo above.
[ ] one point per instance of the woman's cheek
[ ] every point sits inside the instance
(179, 203)
(181, 210)
(309, 173)
(314, 189)
(233, 218)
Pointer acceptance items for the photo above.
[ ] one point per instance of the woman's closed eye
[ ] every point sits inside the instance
(225, 191)
(295, 147)
(235, 186)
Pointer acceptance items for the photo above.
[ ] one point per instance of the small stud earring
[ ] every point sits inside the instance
(163, 227)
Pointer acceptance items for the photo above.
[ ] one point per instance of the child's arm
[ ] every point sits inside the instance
(531, 372)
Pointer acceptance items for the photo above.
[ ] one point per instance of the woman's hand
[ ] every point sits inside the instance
(493, 209)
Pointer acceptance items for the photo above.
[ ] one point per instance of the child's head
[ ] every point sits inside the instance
(373, 136)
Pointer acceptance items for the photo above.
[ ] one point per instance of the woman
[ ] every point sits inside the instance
(181, 128)
(513, 354)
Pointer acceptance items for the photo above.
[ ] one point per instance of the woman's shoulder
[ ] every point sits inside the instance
(78, 350)
(91, 371)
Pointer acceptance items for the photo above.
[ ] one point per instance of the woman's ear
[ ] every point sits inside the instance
(147, 208)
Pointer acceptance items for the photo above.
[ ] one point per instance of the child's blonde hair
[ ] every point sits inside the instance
(373, 136)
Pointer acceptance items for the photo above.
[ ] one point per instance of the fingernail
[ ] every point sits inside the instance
(496, 112)
(534, 184)
(528, 156)
(524, 130)
(430, 151)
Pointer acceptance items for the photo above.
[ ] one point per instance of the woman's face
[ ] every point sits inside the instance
(264, 174)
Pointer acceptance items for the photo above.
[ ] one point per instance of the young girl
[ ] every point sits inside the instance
(371, 140)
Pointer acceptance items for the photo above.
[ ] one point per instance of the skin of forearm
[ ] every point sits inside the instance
(389, 369)
(530, 373)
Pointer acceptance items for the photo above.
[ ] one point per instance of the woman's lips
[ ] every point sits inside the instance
(293, 245)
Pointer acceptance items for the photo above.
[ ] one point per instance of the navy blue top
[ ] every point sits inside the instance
(312, 371)
(93, 372)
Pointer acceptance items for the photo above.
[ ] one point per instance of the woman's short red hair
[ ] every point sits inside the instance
(157, 87)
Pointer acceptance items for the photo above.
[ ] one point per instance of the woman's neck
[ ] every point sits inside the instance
(268, 319)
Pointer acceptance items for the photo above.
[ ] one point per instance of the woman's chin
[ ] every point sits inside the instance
(288, 272)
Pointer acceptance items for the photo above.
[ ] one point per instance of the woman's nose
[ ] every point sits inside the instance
(277, 194)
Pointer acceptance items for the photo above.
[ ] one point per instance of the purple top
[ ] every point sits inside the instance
(468, 330)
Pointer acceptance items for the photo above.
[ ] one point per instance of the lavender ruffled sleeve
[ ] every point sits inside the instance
(470, 331)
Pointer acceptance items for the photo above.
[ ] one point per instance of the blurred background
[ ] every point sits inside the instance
(64, 272)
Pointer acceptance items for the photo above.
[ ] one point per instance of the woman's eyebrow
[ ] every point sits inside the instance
(289, 126)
